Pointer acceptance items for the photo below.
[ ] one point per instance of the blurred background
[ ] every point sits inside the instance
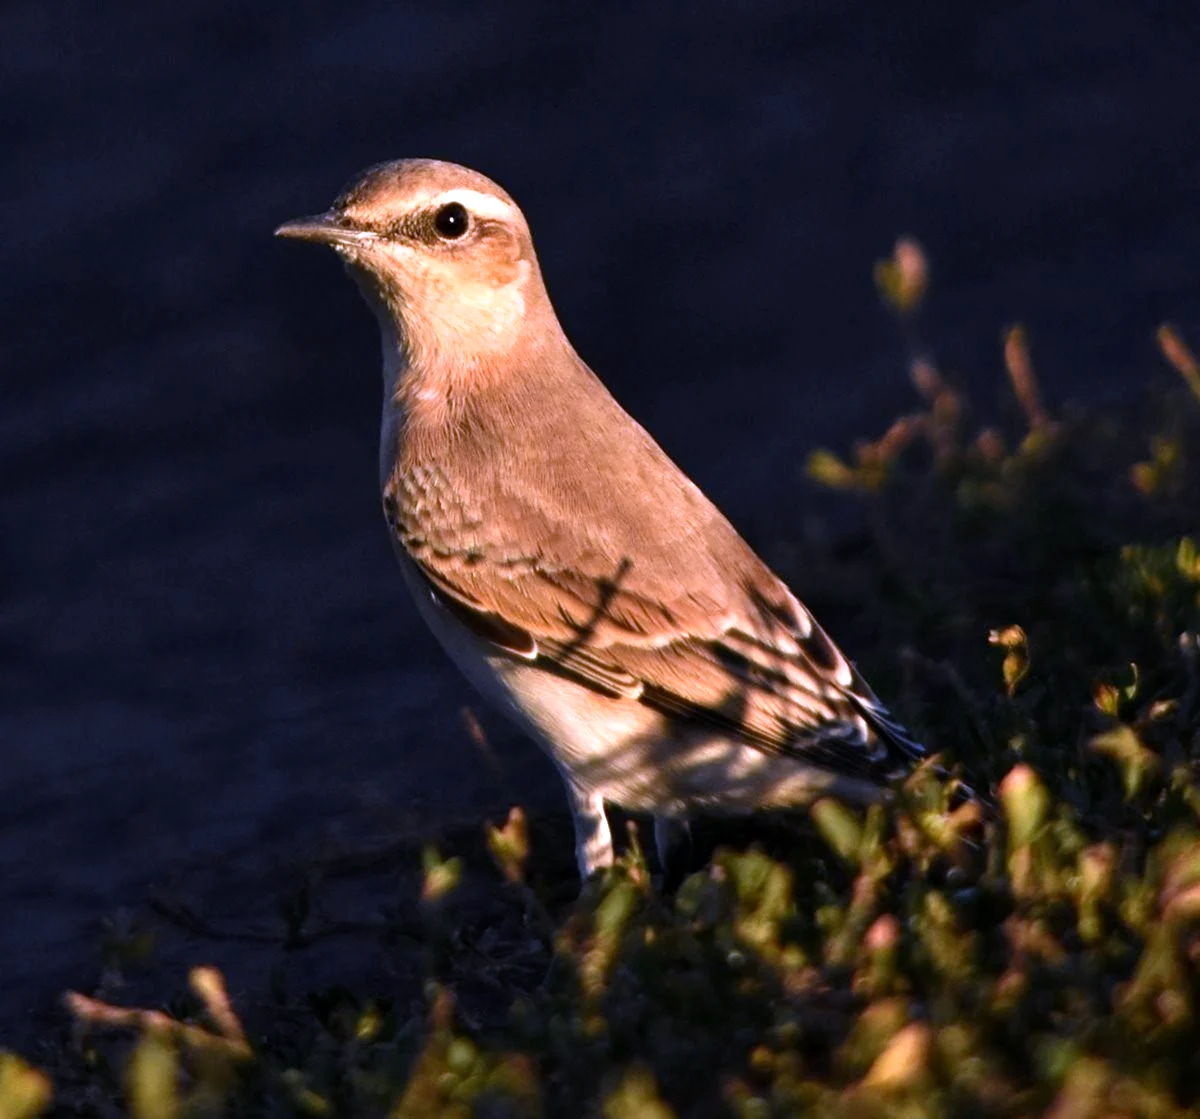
(209, 668)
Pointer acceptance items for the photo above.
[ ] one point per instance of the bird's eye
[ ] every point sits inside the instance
(451, 220)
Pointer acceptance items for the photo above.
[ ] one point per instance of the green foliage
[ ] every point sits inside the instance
(24, 1092)
(1034, 614)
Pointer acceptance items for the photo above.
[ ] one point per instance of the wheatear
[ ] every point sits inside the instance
(569, 567)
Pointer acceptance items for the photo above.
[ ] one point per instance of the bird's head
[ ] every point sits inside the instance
(445, 258)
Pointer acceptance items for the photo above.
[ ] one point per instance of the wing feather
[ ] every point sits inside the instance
(770, 677)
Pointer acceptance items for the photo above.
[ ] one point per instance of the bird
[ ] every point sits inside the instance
(579, 579)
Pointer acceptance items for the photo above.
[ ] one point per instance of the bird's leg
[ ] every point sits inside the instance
(673, 842)
(593, 838)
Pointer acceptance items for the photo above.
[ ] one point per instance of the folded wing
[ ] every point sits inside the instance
(746, 658)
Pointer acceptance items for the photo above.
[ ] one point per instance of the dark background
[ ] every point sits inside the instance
(208, 666)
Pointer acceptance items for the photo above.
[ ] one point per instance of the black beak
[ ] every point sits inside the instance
(328, 229)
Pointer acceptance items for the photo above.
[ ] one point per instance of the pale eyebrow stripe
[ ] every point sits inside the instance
(476, 202)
